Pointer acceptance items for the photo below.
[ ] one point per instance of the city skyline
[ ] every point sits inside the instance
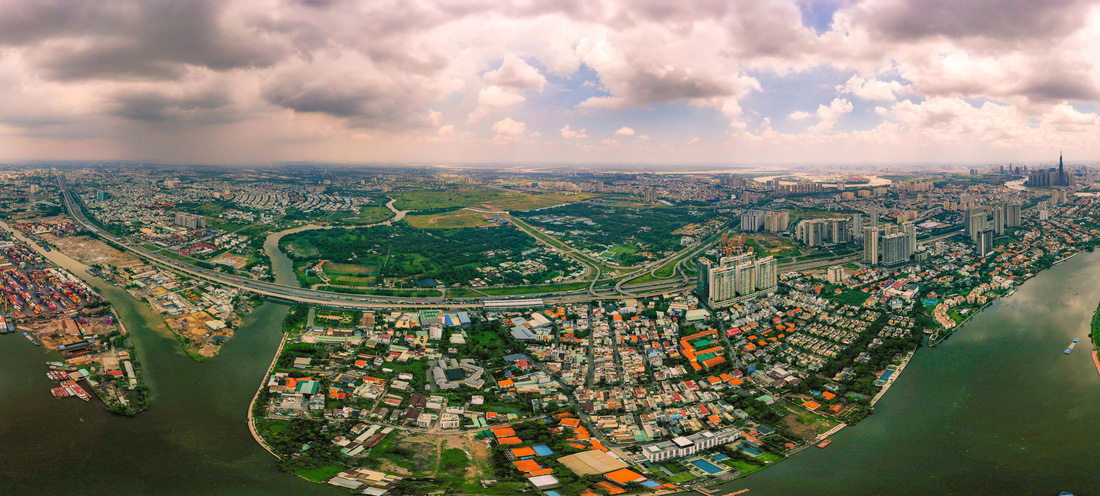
(607, 82)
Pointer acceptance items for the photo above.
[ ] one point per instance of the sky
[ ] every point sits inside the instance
(544, 81)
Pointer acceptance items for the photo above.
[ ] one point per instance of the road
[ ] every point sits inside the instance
(312, 296)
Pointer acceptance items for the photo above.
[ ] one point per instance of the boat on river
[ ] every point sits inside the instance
(824, 443)
(1072, 346)
(30, 337)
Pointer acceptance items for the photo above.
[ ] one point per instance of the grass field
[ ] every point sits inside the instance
(353, 280)
(431, 199)
(449, 220)
(321, 474)
(332, 268)
(853, 297)
(535, 289)
(532, 202)
(403, 293)
(369, 214)
(745, 468)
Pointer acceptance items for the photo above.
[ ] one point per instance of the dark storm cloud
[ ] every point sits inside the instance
(155, 39)
(156, 106)
(1005, 20)
(365, 103)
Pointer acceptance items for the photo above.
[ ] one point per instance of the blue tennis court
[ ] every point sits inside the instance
(706, 466)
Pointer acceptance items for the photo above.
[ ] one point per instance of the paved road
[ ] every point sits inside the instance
(312, 296)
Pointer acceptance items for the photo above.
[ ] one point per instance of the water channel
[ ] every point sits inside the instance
(192, 440)
(996, 409)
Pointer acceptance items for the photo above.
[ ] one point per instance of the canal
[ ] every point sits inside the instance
(193, 440)
(997, 409)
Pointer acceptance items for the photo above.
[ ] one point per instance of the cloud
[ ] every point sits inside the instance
(506, 86)
(871, 89)
(509, 128)
(624, 131)
(828, 115)
(568, 133)
(1002, 20)
(355, 79)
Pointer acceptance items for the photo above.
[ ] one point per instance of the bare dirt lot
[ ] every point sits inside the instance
(90, 251)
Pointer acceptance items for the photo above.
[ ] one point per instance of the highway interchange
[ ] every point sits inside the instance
(341, 300)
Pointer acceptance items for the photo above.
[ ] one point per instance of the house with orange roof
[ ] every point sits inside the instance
(609, 488)
(523, 452)
(624, 476)
(527, 465)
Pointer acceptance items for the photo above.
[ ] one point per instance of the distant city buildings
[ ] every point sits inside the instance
(815, 232)
(1051, 177)
(720, 285)
(190, 221)
(891, 245)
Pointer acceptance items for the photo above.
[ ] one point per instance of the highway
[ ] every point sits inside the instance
(311, 296)
(350, 301)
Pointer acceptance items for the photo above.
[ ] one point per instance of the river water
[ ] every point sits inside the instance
(193, 440)
(997, 409)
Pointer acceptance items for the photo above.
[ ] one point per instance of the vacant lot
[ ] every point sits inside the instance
(432, 199)
(461, 218)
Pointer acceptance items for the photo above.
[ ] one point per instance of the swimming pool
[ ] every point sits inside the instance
(706, 466)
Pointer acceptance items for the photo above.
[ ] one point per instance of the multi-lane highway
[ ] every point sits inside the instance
(312, 296)
(305, 295)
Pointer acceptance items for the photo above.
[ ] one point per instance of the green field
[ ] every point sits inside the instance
(452, 256)
(619, 233)
(350, 274)
(448, 220)
(321, 474)
(403, 293)
(853, 297)
(433, 199)
(535, 289)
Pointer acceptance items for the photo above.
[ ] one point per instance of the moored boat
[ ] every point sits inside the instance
(30, 337)
(1072, 346)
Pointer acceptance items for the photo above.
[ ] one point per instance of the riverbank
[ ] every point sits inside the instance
(252, 406)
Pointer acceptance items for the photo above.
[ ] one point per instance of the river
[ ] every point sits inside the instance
(997, 409)
(192, 440)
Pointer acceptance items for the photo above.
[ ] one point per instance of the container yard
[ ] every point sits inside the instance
(54, 309)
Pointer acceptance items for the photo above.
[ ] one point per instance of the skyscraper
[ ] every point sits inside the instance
(984, 246)
(767, 276)
(1012, 214)
(870, 245)
(651, 195)
(910, 231)
(702, 280)
(718, 286)
(857, 226)
(975, 223)
(895, 249)
(998, 219)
